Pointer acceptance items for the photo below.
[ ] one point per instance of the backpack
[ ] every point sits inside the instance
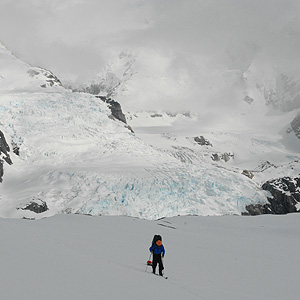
(156, 238)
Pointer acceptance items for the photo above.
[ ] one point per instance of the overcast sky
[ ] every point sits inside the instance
(76, 39)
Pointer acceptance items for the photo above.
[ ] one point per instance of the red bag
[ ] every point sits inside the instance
(149, 263)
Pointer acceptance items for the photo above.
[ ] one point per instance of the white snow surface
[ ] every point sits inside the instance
(18, 76)
(74, 157)
(77, 159)
(211, 258)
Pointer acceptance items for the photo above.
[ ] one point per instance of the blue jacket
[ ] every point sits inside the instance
(157, 249)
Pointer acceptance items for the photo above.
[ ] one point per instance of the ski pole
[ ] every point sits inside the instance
(147, 263)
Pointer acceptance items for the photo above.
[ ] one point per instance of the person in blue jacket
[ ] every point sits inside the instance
(158, 251)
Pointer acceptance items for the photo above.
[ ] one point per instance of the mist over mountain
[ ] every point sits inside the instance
(185, 56)
(204, 86)
(64, 151)
(147, 116)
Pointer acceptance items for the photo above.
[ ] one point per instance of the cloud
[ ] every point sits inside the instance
(199, 42)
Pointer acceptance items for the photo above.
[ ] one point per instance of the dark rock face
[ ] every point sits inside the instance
(50, 78)
(286, 194)
(295, 124)
(4, 148)
(38, 206)
(202, 141)
(16, 148)
(264, 165)
(258, 209)
(285, 197)
(156, 115)
(222, 156)
(115, 108)
(4, 154)
(1, 170)
(248, 173)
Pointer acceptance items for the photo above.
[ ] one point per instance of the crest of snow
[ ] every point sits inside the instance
(18, 76)
(4, 49)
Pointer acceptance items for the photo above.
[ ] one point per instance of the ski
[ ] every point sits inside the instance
(163, 276)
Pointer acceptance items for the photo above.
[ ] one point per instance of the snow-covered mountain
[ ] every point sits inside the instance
(70, 156)
(279, 86)
(244, 92)
(254, 79)
(18, 76)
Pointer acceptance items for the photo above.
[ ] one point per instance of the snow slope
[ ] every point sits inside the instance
(245, 108)
(18, 76)
(77, 159)
(211, 258)
(74, 157)
(252, 138)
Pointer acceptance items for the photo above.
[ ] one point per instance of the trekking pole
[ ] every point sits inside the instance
(147, 262)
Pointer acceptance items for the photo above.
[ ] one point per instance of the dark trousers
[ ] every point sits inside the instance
(157, 260)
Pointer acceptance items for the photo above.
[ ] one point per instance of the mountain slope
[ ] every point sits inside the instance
(18, 76)
(242, 95)
(70, 156)
(74, 157)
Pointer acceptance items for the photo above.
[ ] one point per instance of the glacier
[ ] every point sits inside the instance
(70, 153)
(76, 159)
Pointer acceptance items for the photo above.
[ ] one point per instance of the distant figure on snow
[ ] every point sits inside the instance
(158, 251)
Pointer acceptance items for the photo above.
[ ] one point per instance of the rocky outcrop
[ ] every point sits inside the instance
(38, 206)
(222, 156)
(258, 209)
(285, 194)
(264, 165)
(1, 170)
(284, 197)
(4, 154)
(50, 78)
(295, 124)
(115, 108)
(16, 148)
(202, 141)
(4, 148)
(248, 173)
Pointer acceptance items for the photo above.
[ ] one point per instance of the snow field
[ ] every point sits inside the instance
(80, 257)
